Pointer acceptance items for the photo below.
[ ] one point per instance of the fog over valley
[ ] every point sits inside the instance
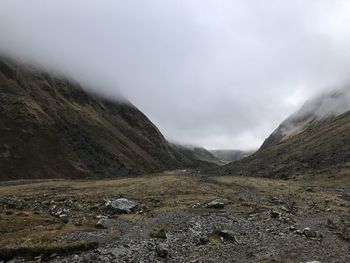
(218, 74)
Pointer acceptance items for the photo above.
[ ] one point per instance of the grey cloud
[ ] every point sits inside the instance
(221, 74)
(331, 103)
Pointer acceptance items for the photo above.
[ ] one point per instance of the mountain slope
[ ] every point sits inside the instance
(322, 107)
(230, 155)
(198, 153)
(313, 144)
(52, 128)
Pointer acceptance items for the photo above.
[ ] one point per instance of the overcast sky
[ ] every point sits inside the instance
(216, 73)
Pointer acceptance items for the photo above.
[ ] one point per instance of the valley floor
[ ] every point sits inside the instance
(261, 220)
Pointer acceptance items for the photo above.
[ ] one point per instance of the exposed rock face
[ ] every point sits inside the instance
(53, 128)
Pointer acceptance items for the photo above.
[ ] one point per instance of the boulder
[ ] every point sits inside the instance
(120, 206)
(215, 204)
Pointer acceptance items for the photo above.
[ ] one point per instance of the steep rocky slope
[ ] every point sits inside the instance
(311, 144)
(52, 128)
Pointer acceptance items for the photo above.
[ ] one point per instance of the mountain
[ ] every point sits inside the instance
(228, 156)
(198, 153)
(51, 127)
(323, 107)
(314, 140)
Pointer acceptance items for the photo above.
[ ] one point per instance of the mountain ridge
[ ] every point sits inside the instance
(53, 128)
(325, 106)
(313, 144)
(230, 155)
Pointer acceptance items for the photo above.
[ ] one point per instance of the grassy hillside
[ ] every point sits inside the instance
(322, 147)
(52, 128)
(198, 153)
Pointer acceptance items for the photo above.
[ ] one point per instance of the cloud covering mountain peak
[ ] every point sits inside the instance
(235, 68)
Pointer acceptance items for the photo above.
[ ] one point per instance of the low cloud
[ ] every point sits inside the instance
(328, 104)
(221, 74)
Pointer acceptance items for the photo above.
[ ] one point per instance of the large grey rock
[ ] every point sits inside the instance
(120, 206)
(215, 204)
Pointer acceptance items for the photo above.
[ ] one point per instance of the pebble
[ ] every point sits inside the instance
(162, 250)
(228, 235)
(275, 214)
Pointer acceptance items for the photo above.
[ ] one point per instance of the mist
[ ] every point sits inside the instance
(328, 104)
(220, 74)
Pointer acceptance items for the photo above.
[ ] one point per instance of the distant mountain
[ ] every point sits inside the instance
(198, 153)
(53, 128)
(316, 139)
(230, 155)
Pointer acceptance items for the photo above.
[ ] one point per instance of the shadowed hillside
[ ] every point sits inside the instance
(52, 128)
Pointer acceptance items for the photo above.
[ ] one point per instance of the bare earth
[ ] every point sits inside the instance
(263, 220)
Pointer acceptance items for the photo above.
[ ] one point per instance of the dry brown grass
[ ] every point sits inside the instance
(167, 189)
(154, 193)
